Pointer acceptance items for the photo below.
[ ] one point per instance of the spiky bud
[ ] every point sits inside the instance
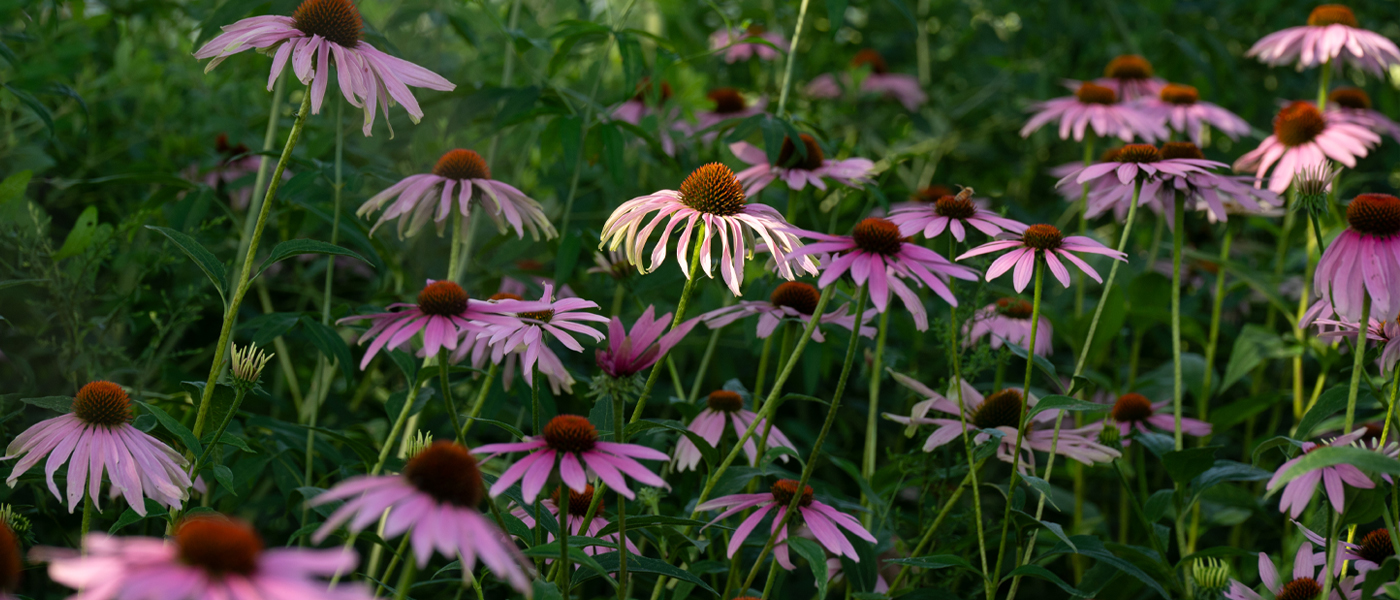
(16, 522)
(1211, 575)
(1312, 188)
(248, 363)
(1109, 435)
(420, 442)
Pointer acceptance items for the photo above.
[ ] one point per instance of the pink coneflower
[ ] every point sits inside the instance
(1180, 106)
(1306, 583)
(1146, 161)
(1299, 492)
(874, 252)
(711, 196)
(791, 300)
(636, 108)
(443, 314)
(1331, 33)
(434, 501)
(317, 30)
(575, 441)
(724, 409)
(729, 104)
(1367, 555)
(1353, 104)
(824, 521)
(1179, 167)
(740, 51)
(1043, 241)
(1097, 106)
(578, 512)
(1008, 320)
(613, 263)
(97, 437)
(630, 353)
(533, 319)
(481, 349)
(209, 558)
(1363, 260)
(953, 213)
(1001, 411)
(1305, 138)
(1130, 77)
(460, 177)
(1386, 333)
(797, 170)
(234, 166)
(903, 88)
(1133, 411)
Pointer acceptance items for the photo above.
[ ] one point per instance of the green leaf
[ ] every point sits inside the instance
(1157, 505)
(63, 404)
(203, 258)
(219, 404)
(1328, 404)
(129, 516)
(612, 151)
(836, 13)
(567, 259)
(80, 237)
(1090, 546)
(1184, 465)
(18, 282)
(1366, 460)
(1042, 364)
(816, 559)
(33, 104)
(13, 187)
(224, 476)
(166, 179)
(1066, 403)
(175, 427)
(1254, 345)
(1042, 486)
(602, 416)
(511, 429)
(298, 247)
(1043, 573)
(395, 403)
(576, 554)
(935, 562)
(659, 521)
(331, 345)
(642, 564)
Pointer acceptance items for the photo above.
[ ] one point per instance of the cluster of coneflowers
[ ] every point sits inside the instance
(442, 502)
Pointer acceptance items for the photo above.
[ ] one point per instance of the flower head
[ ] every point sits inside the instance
(797, 165)
(954, 213)
(1044, 242)
(724, 409)
(537, 321)
(1008, 320)
(1353, 104)
(1133, 411)
(210, 557)
(1097, 106)
(824, 521)
(1306, 137)
(1385, 332)
(575, 442)
(790, 300)
(1305, 584)
(1298, 492)
(729, 104)
(1130, 76)
(737, 48)
(878, 80)
(1332, 33)
(443, 314)
(1364, 260)
(316, 31)
(1177, 168)
(97, 438)
(630, 353)
(577, 505)
(1180, 106)
(711, 197)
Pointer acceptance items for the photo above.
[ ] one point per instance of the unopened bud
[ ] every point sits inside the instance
(248, 363)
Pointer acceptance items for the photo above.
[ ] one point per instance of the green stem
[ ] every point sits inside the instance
(393, 564)
(410, 569)
(231, 314)
(969, 481)
(619, 435)
(480, 399)
(1083, 223)
(791, 58)
(680, 314)
(955, 351)
(535, 400)
(397, 428)
(238, 393)
(762, 368)
(1358, 365)
(867, 467)
(1021, 417)
(1213, 341)
(1178, 240)
(87, 519)
(566, 568)
(705, 364)
(1322, 85)
(443, 369)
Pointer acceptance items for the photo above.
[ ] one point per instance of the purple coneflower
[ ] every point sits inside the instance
(1331, 33)
(713, 197)
(1133, 411)
(741, 51)
(629, 353)
(1008, 320)
(434, 501)
(1001, 411)
(954, 213)
(533, 319)
(824, 521)
(575, 441)
(1097, 106)
(790, 300)
(1354, 104)
(578, 513)
(232, 174)
(208, 558)
(903, 88)
(797, 170)
(1305, 584)
(1180, 106)
(636, 108)
(1179, 167)
(1130, 77)
(1364, 260)
(460, 177)
(97, 437)
(481, 349)
(1041, 241)
(729, 104)
(443, 314)
(1386, 333)
(1367, 555)
(876, 254)
(317, 30)
(723, 409)
(1298, 492)
(1303, 138)
(613, 263)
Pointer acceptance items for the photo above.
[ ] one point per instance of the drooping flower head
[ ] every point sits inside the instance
(1384, 332)
(1130, 76)
(575, 442)
(536, 322)
(1177, 168)
(790, 300)
(630, 353)
(1008, 320)
(1332, 33)
(711, 197)
(724, 409)
(434, 501)
(210, 557)
(316, 31)
(1306, 137)
(97, 438)
(577, 505)
(1354, 104)
(798, 166)
(954, 213)
(1364, 259)
(1044, 242)
(876, 253)
(1133, 411)
(905, 89)
(824, 521)
(1097, 106)
(1298, 492)
(461, 177)
(736, 49)
(1180, 107)
(443, 314)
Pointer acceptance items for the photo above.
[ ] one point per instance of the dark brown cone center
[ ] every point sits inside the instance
(1171, 150)
(725, 401)
(442, 299)
(1093, 93)
(1128, 66)
(11, 560)
(448, 472)
(335, 20)
(1332, 14)
(578, 501)
(1015, 308)
(1176, 93)
(1303, 588)
(873, 59)
(713, 189)
(785, 489)
(570, 433)
(1298, 123)
(1376, 546)
(1001, 409)
(955, 207)
(727, 101)
(1375, 214)
(462, 164)
(1042, 237)
(1350, 97)
(1132, 408)
(1138, 153)
(878, 236)
(788, 156)
(801, 297)
(102, 403)
(219, 545)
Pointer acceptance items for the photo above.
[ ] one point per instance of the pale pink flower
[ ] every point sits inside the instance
(1306, 581)
(1181, 107)
(824, 521)
(559, 319)
(1305, 138)
(460, 178)
(1332, 32)
(209, 558)
(1364, 260)
(1130, 77)
(1008, 320)
(797, 170)
(1097, 106)
(481, 349)
(1366, 555)
(1133, 411)
(575, 442)
(1354, 105)
(790, 300)
(443, 314)
(635, 109)
(434, 502)
(729, 104)
(1179, 167)
(1043, 241)
(578, 513)
(233, 174)
(953, 213)
(1385, 332)
(1298, 492)
(724, 409)
(905, 89)
(97, 437)
(735, 50)
(714, 198)
(317, 30)
(630, 353)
